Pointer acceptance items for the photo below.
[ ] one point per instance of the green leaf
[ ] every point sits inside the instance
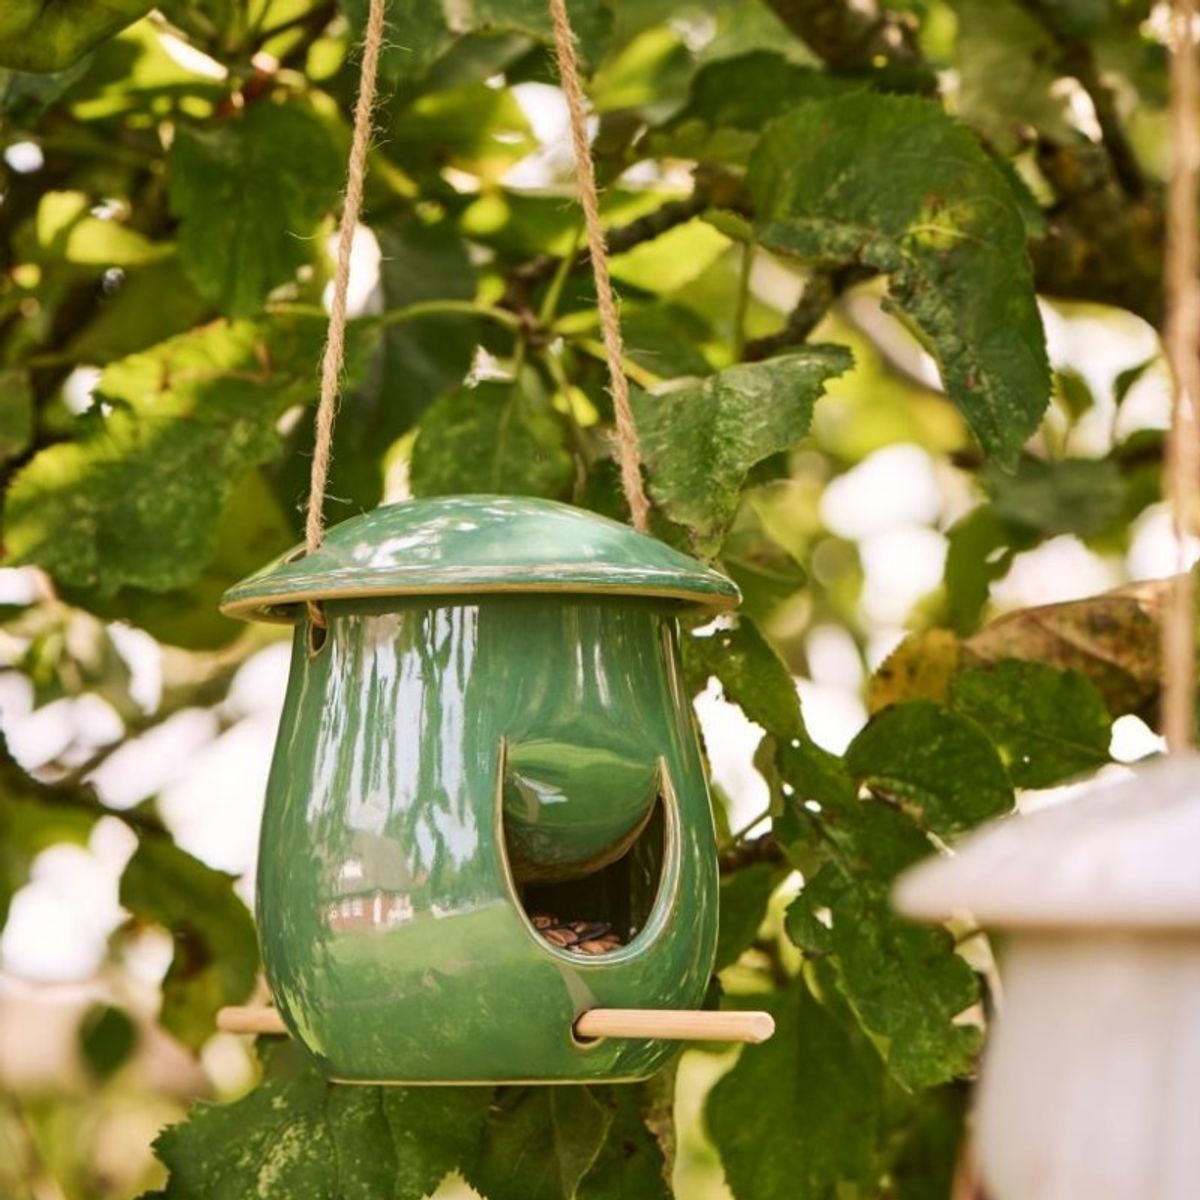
(434, 1130)
(904, 982)
(1073, 393)
(25, 95)
(980, 549)
(16, 413)
(427, 31)
(1007, 62)
(250, 530)
(1125, 381)
(766, 573)
(1048, 725)
(1078, 18)
(699, 441)
(495, 437)
(744, 897)
(297, 1135)
(415, 362)
(924, 1147)
(273, 1143)
(137, 500)
(250, 195)
(630, 1165)
(752, 674)
(733, 98)
(477, 128)
(1073, 495)
(797, 1117)
(107, 1037)
(540, 1143)
(895, 185)
(216, 949)
(665, 338)
(40, 36)
(937, 765)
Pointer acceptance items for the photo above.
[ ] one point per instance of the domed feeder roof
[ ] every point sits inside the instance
(467, 545)
(1122, 854)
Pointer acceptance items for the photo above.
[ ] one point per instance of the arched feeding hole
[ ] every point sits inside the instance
(592, 911)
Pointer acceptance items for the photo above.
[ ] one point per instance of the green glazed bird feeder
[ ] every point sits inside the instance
(487, 813)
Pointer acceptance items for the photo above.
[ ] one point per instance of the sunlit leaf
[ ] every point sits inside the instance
(136, 500)
(36, 36)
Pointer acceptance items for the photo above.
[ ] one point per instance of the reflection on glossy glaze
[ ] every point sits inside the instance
(393, 943)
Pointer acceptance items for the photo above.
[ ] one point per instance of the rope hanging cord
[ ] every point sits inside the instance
(1182, 344)
(610, 322)
(334, 357)
(333, 360)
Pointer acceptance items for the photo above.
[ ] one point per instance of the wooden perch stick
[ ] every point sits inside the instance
(676, 1024)
(684, 1025)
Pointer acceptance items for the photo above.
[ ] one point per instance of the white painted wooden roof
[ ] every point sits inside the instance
(1123, 854)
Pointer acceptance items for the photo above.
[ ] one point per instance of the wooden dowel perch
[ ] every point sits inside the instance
(676, 1024)
(683, 1025)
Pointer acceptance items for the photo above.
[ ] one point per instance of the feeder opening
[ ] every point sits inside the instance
(598, 912)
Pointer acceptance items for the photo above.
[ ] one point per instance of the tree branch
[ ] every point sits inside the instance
(820, 292)
(81, 797)
(763, 848)
(1075, 58)
(1100, 245)
(850, 35)
(527, 275)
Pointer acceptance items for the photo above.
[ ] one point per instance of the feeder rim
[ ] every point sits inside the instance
(464, 547)
(282, 608)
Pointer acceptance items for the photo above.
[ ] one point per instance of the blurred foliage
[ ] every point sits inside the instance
(835, 228)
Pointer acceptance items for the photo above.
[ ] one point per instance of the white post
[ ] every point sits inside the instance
(1091, 1079)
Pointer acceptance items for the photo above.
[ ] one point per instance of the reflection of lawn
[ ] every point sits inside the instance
(464, 996)
(459, 996)
(455, 942)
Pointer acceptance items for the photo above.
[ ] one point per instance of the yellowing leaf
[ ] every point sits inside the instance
(920, 668)
(1111, 639)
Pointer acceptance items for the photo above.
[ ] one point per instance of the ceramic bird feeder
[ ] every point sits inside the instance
(1091, 1080)
(487, 811)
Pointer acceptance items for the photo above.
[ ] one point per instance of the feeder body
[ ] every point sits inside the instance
(1091, 1080)
(439, 760)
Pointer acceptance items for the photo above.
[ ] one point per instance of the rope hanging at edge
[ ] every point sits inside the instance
(610, 321)
(334, 357)
(1182, 345)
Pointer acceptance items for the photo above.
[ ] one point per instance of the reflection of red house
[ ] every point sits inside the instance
(369, 910)
(380, 860)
